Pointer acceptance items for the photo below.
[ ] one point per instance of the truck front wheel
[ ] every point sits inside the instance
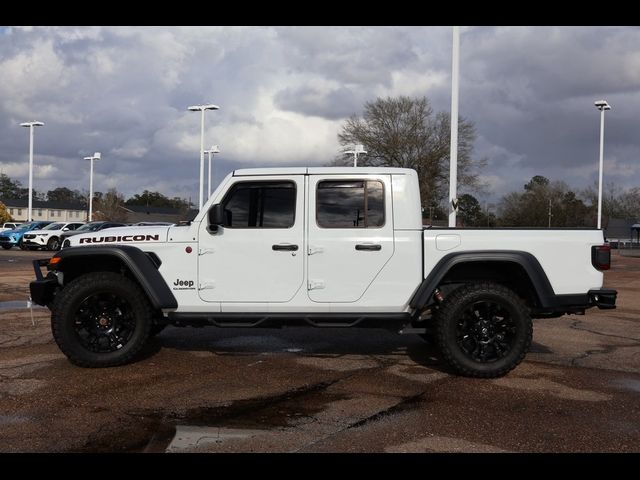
(101, 319)
(483, 330)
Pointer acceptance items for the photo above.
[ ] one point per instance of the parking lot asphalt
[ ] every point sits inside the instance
(321, 390)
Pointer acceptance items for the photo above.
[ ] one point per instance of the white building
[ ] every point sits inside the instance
(55, 211)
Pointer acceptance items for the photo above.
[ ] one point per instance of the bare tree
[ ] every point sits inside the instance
(110, 206)
(4, 214)
(405, 132)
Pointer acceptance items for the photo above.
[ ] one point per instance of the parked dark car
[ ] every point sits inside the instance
(88, 227)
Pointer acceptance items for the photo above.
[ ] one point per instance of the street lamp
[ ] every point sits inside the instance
(202, 108)
(213, 150)
(601, 105)
(31, 126)
(95, 156)
(356, 150)
(453, 155)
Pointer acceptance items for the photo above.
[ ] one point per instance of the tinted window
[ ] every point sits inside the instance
(350, 204)
(54, 226)
(260, 205)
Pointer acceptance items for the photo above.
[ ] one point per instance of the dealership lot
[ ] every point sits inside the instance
(328, 390)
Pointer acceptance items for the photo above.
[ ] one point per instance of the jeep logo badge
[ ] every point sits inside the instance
(184, 284)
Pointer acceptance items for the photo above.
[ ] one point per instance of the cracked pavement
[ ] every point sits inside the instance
(322, 390)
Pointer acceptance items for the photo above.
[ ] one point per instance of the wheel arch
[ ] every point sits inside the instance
(518, 270)
(125, 259)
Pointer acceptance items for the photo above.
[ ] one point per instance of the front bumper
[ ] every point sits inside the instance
(43, 289)
(33, 242)
(10, 241)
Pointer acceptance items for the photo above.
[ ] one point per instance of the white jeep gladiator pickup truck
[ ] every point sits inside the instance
(328, 247)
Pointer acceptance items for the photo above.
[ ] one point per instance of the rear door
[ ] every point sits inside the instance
(350, 234)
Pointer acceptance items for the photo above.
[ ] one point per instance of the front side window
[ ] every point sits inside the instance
(260, 205)
(350, 204)
(54, 226)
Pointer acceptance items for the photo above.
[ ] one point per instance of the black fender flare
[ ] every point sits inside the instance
(530, 264)
(139, 264)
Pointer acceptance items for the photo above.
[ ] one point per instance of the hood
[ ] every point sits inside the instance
(15, 230)
(120, 236)
(38, 231)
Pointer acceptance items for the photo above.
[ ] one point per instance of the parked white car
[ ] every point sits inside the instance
(10, 226)
(49, 237)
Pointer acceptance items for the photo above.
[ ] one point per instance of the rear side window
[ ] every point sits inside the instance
(350, 204)
(260, 205)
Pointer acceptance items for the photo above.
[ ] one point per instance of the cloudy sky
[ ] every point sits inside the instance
(284, 93)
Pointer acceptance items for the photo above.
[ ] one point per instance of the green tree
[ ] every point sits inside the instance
(11, 189)
(536, 182)
(157, 199)
(65, 195)
(470, 212)
(544, 203)
(406, 132)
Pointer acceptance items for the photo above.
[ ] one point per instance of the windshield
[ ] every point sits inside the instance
(55, 226)
(25, 226)
(89, 227)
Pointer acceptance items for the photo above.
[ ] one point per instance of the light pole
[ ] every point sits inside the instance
(356, 150)
(95, 156)
(201, 109)
(213, 150)
(601, 105)
(31, 126)
(453, 154)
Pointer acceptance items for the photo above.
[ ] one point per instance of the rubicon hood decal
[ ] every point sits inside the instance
(133, 234)
(121, 238)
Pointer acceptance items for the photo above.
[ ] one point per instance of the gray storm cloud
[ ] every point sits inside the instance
(285, 91)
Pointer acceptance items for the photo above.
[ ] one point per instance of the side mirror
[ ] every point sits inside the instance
(216, 215)
(65, 229)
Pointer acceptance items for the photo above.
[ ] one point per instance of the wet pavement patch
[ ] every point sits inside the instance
(17, 305)
(628, 384)
(158, 431)
(188, 436)
(13, 420)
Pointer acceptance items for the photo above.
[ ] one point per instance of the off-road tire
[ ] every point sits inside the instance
(7, 247)
(452, 324)
(128, 299)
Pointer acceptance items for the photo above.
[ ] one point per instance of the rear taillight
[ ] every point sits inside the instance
(601, 256)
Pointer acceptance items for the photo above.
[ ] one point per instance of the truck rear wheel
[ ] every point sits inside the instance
(483, 330)
(101, 319)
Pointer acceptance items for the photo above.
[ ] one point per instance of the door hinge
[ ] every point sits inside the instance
(206, 286)
(315, 285)
(313, 249)
(204, 251)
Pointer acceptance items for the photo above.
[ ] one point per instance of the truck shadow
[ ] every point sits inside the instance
(301, 341)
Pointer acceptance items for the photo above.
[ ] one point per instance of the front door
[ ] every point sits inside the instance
(350, 235)
(258, 255)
